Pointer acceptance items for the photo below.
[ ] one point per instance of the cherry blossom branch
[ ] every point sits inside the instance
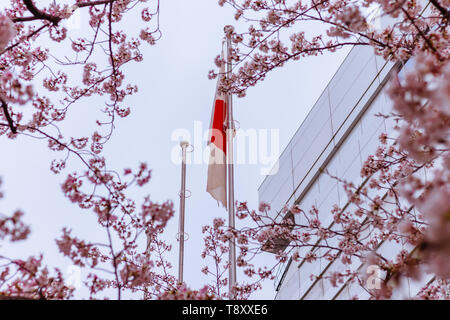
(445, 12)
(38, 14)
(11, 125)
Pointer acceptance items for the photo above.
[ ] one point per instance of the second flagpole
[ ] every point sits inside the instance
(230, 166)
(181, 233)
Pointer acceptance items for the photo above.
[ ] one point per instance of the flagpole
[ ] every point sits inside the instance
(230, 166)
(181, 233)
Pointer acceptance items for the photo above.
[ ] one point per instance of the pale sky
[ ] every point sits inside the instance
(174, 93)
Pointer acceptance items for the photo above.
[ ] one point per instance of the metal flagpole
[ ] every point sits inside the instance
(230, 128)
(181, 233)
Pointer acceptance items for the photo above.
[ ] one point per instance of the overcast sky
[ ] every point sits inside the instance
(174, 94)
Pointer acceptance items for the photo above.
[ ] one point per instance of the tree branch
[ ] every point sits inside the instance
(8, 116)
(94, 3)
(38, 14)
(445, 12)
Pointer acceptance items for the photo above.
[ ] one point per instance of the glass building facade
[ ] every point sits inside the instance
(337, 136)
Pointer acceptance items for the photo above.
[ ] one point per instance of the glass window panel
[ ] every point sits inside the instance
(389, 249)
(306, 271)
(326, 184)
(371, 144)
(335, 167)
(327, 204)
(344, 294)
(329, 290)
(279, 178)
(372, 126)
(342, 106)
(316, 292)
(310, 197)
(311, 150)
(308, 129)
(352, 65)
(272, 181)
(290, 287)
(354, 289)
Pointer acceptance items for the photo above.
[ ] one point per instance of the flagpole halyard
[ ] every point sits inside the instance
(230, 166)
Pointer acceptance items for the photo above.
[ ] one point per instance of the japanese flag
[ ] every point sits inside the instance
(217, 168)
